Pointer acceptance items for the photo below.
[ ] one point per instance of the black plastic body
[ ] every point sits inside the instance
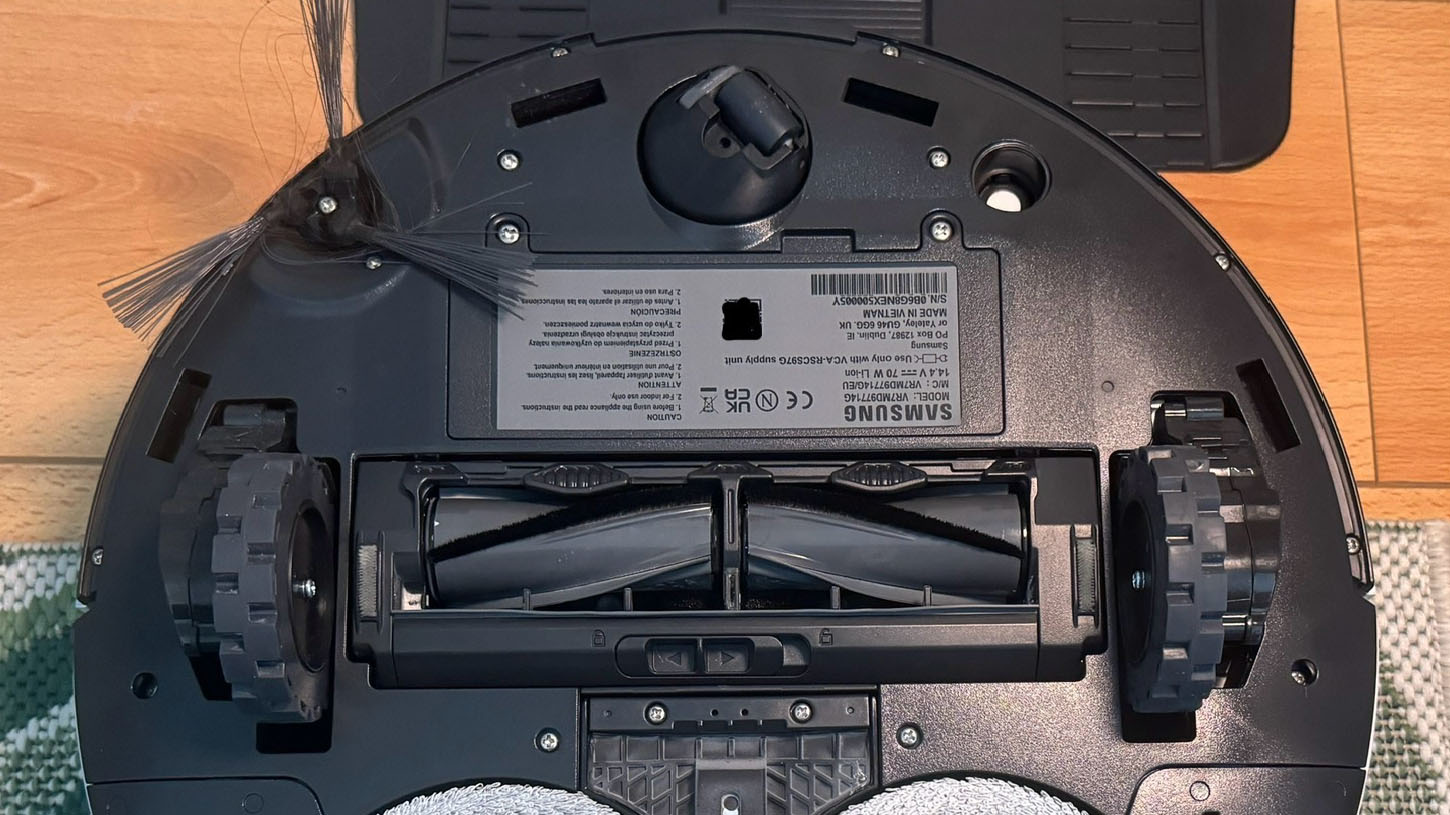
(1183, 84)
(1107, 291)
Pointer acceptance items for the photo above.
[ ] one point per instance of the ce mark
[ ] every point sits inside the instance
(799, 400)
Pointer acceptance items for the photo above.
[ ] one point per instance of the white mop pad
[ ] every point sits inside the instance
(970, 796)
(502, 799)
(946, 796)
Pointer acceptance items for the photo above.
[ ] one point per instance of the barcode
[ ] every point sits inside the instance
(857, 284)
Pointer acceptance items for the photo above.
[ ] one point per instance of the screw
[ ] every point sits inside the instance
(305, 588)
(941, 230)
(1222, 261)
(1199, 791)
(890, 51)
(547, 741)
(327, 205)
(1140, 579)
(509, 233)
(1352, 544)
(939, 158)
(508, 160)
(375, 262)
(1299, 676)
(656, 713)
(560, 51)
(801, 712)
(909, 736)
(98, 556)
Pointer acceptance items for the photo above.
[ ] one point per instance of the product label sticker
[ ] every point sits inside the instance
(782, 347)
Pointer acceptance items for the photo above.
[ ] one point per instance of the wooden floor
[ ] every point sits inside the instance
(131, 129)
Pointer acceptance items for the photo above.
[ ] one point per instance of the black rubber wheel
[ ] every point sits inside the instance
(273, 564)
(1172, 591)
(187, 529)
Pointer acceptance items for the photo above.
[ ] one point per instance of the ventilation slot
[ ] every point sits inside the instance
(1269, 405)
(166, 441)
(559, 102)
(366, 582)
(890, 101)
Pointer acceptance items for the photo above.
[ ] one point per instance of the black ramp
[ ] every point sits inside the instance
(1183, 84)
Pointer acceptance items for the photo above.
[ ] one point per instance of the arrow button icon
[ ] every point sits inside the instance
(729, 657)
(672, 657)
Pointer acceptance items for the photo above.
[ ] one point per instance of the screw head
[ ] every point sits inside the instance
(801, 712)
(509, 233)
(909, 736)
(305, 588)
(939, 158)
(941, 230)
(1199, 791)
(509, 160)
(890, 51)
(1222, 261)
(374, 262)
(327, 205)
(98, 556)
(1352, 545)
(656, 713)
(560, 51)
(1140, 579)
(547, 741)
(1304, 672)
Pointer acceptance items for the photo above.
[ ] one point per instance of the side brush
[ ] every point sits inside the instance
(336, 205)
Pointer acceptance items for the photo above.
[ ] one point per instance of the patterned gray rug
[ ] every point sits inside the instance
(1410, 763)
(40, 766)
